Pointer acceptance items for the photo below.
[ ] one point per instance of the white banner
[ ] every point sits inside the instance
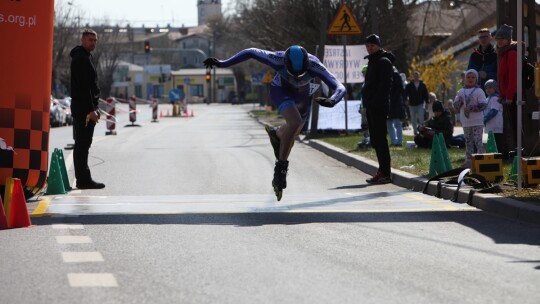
(333, 61)
(334, 118)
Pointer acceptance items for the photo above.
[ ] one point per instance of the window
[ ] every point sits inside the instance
(138, 91)
(197, 90)
(158, 91)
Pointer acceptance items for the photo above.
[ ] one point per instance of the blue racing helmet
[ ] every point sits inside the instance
(296, 61)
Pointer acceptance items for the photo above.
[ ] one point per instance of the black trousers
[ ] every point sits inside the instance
(377, 134)
(83, 140)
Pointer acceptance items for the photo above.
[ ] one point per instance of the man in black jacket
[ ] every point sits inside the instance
(376, 99)
(484, 58)
(440, 123)
(397, 111)
(84, 107)
(417, 97)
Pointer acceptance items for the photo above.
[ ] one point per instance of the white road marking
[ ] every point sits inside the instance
(68, 226)
(82, 257)
(92, 280)
(73, 239)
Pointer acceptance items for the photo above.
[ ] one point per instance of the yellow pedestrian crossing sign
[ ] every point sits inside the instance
(267, 77)
(344, 23)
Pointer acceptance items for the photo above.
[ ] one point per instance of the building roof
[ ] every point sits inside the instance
(187, 32)
(131, 66)
(192, 72)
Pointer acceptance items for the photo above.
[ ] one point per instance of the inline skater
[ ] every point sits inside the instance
(290, 93)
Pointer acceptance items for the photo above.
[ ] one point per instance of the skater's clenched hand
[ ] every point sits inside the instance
(210, 62)
(325, 102)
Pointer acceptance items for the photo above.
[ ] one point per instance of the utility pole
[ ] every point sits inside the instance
(325, 6)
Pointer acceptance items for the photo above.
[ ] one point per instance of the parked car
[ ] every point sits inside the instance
(57, 114)
(66, 105)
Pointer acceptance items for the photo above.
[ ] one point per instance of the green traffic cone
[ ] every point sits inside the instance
(444, 152)
(54, 181)
(491, 143)
(63, 170)
(436, 164)
(513, 172)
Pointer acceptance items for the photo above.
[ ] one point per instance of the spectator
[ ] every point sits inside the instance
(484, 58)
(507, 78)
(471, 102)
(396, 112)
(449, 106)
(84, 107)
(493, 114)
(364, 143)
(440, 123)
(429, 111)
(461, 82)
(417, 97)
(376, 98)
(404, 98)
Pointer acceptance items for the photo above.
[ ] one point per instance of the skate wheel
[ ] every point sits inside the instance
(279, 193)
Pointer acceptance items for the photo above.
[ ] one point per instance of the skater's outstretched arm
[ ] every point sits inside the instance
(316, 68)
(272, 59)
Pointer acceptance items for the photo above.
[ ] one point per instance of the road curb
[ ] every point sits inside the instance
(491, 203)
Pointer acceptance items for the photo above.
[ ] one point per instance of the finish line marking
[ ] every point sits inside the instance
(248, 203)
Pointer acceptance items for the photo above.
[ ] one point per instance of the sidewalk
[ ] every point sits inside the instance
(506, 207)
(502, 206)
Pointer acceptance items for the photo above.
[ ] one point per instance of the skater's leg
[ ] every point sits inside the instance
(288, 132)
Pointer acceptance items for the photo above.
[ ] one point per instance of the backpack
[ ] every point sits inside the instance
(527, 74)
(458, 177)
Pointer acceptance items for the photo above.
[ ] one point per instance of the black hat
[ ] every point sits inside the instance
(437, 107)
(505, 32)
(373, 39)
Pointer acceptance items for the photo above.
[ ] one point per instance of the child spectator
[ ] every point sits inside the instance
(471, 102)
(493, 114)
(440, 123)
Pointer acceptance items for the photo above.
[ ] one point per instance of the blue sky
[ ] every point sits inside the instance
(136, 13)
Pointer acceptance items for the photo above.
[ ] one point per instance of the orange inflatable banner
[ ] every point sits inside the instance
(26, 28)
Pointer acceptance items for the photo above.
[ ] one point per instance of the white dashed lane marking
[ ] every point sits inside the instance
(68, 226)
(81, 257)
(73, 239)
(92, 280)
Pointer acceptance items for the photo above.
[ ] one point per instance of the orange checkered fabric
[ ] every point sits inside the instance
(24, 125)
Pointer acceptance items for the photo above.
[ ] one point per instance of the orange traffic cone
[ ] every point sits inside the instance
(17, 214)
(168, 113)
(3, 220)
(161, 114)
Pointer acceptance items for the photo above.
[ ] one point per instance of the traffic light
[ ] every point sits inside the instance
(208, 76)
(147, 46)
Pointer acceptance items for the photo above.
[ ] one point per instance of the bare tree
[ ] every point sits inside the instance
(106, 57)
(66, 36)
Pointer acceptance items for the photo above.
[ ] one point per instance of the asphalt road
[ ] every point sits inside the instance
(189, 216)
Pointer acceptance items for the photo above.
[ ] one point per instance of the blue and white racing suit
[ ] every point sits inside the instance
(285, 90)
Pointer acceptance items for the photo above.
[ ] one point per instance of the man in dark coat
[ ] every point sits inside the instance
(397, 110)
(376, 99)
(417, 97)
(484, 58)
(439, 123)
(84, 107)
